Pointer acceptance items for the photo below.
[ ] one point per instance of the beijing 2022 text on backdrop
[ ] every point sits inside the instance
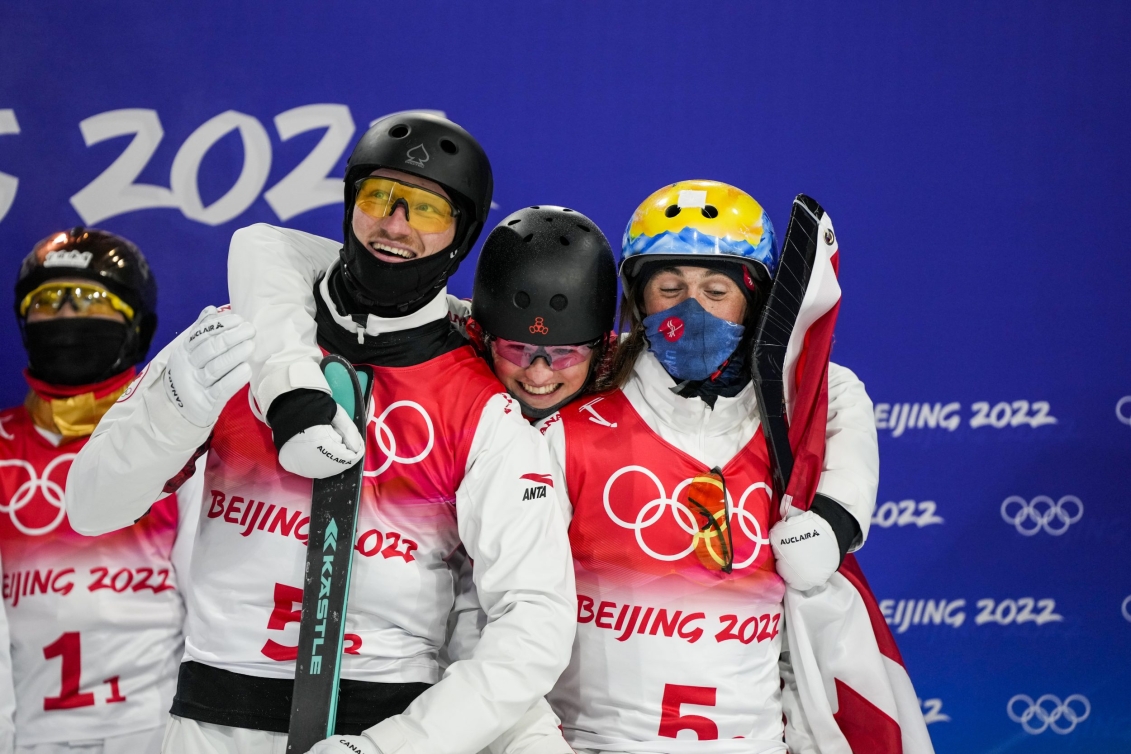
(975, 159)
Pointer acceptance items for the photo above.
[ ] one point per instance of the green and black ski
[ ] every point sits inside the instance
(329, 558)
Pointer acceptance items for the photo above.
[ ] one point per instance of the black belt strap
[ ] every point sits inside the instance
(221, 697)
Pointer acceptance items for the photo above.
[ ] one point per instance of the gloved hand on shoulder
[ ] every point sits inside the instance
(209, 366)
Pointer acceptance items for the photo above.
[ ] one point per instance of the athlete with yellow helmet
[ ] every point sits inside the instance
(673, 521)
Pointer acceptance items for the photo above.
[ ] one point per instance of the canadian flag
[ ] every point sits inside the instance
(846, 690)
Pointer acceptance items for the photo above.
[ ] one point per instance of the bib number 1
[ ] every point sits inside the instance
(68, 648)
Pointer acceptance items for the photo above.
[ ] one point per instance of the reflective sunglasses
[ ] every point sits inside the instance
(707, 500)
(88, 299)
(426, 211)
(558, 357)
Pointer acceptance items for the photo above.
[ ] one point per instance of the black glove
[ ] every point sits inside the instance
(296, 411)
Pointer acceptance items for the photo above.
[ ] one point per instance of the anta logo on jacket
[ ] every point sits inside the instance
(537, 491)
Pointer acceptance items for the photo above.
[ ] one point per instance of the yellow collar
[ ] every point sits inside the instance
(72, 417)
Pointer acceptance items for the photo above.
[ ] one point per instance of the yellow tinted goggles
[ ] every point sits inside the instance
(426, 211)
(88, 299)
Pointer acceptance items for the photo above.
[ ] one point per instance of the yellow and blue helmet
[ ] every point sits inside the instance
(700, 219)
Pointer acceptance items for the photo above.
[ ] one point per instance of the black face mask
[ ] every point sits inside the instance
(75, 350)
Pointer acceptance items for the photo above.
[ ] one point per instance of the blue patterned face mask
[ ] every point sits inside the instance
(689, 341)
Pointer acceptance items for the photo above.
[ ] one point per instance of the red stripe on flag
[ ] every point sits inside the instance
(807, 423)
(864, 725)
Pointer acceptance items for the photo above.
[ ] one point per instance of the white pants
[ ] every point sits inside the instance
(145, 742)
(184, 736)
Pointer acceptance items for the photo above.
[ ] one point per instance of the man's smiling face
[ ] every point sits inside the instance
(391, 238)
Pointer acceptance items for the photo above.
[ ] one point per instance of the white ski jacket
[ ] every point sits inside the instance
(522, 570)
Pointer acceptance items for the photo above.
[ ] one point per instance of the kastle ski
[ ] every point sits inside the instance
(329, 558)
(799, 251)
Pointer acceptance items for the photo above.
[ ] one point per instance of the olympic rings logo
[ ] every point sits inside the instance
(51, 491)
(1029, 517)
(652, 511)
(1049, 712)
(387, 441)
(1126, 608)
(1124, 418)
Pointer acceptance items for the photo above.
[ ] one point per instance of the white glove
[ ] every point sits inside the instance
(346, 745)
(209, 366)
(806, 550)
(323, 450)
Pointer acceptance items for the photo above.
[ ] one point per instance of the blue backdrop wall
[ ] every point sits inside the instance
(974, 158)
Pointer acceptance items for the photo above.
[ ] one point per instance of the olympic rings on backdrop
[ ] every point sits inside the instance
(1124, 418)
(654, 509)
(52, 492)
(1049, 717)
(1126, 608)
(1030, 517)
(387, 441)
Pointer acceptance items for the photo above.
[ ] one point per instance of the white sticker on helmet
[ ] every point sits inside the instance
(67, 258)
(692, 199)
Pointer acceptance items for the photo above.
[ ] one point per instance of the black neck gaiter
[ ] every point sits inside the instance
(392, 289)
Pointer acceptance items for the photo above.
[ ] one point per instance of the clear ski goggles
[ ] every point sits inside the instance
(88, 299)
(558, 357)
(426, 211)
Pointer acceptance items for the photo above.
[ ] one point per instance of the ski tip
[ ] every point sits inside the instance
(340, 375)
(809, 205)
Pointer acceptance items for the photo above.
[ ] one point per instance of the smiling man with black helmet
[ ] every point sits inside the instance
(449, 462)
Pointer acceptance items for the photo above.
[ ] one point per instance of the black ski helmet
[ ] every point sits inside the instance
(107, 259)
(546, 275)
(431, 147)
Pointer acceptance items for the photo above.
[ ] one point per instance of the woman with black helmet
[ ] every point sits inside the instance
(445, 479)
(543, 304)
(105, 611)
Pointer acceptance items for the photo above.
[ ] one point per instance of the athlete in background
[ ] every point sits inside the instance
(96, 623)
(450, 465)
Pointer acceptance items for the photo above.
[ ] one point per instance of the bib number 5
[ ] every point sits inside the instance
(672, 719)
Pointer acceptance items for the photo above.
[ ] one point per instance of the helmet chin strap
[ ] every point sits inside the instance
(541, 413)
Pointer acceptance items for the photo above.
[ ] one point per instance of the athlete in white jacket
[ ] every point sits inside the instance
(714, 434)
(95, 624)
(449, 463)
(680, 557)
